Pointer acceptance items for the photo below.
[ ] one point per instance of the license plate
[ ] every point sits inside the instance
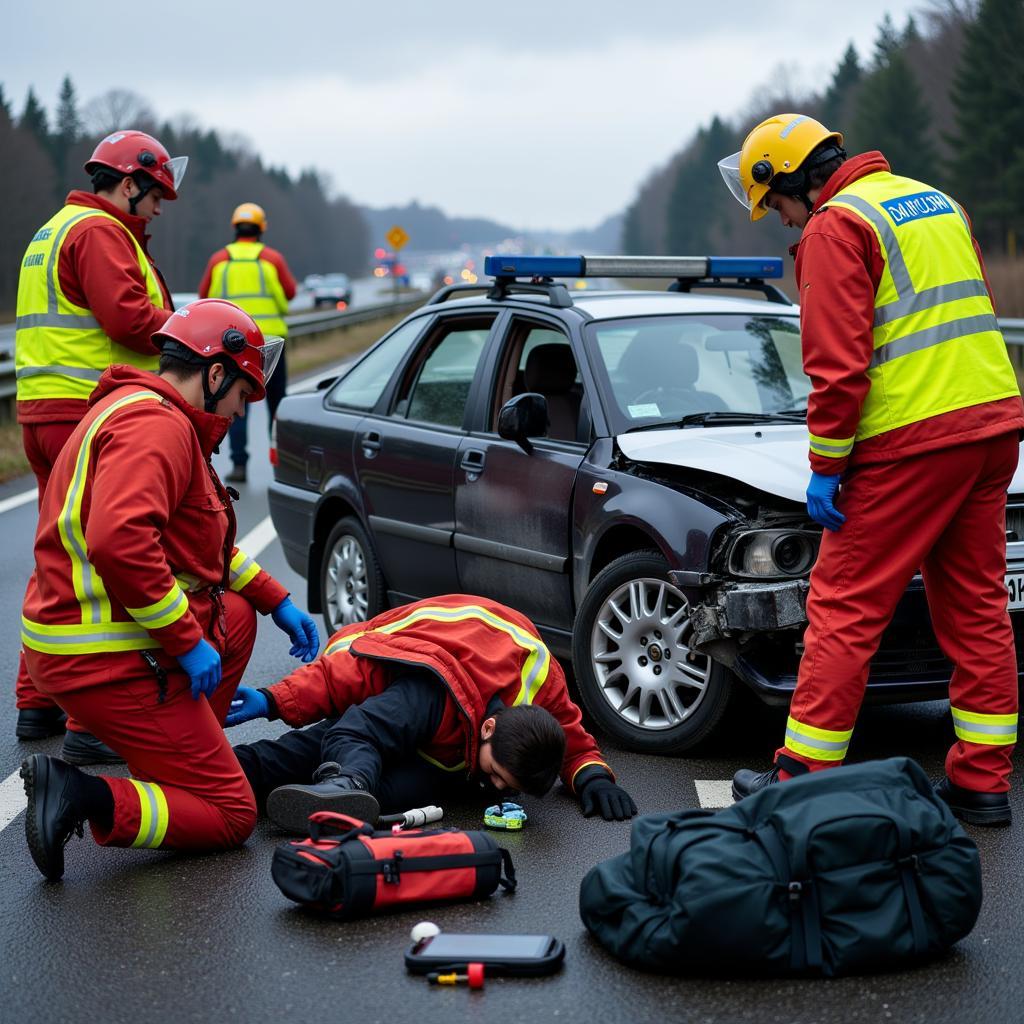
(1015, 588)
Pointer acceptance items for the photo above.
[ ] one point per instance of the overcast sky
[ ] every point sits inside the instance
(539, 115)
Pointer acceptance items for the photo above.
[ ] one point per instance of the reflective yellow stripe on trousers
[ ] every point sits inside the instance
(153, 815)
(987, 730)
(819, 744)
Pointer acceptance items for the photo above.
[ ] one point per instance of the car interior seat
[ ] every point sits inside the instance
(551, 371)
(658, 368)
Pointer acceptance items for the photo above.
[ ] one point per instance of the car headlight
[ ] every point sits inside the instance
(773, 553)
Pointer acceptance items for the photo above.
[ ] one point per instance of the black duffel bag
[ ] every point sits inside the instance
(838, 871)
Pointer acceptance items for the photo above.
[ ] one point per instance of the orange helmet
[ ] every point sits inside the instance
(250, 213)
(129, 152)
(773, 159)
(209, 331)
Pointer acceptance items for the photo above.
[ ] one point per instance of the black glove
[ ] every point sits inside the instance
(612, 802)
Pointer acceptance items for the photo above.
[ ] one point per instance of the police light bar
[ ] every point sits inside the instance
(696, 267)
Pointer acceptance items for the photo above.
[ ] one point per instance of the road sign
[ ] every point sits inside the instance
(397, 237)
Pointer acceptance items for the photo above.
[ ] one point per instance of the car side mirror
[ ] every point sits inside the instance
(523, 417)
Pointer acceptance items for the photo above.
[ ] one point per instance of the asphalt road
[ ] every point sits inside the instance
(133, 936)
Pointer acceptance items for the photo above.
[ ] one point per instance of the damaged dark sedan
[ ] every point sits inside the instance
(627, 468)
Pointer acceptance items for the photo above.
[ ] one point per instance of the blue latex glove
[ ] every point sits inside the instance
(246, 705)
(300, 627)
(820, 494)
(202, 664)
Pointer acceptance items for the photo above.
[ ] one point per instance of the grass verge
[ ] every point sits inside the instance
(12, 456)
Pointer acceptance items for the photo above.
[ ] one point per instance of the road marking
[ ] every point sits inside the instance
(714, 793)
(19, 499)
(12, 798)
(261, 536)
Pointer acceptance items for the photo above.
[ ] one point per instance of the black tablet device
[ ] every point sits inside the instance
(500, 954)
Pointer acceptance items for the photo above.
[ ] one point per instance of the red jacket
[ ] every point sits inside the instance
(479, 649)
(270, 255)
(99, 269)
(152, 508)
(838, 268)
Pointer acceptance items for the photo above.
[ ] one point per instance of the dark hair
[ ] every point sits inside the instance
(185, 369)
(818, 174)
(106, 178)
(530, 745)
(247, 231)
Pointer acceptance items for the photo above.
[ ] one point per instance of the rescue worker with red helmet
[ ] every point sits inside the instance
(89, 296)
(257, 278)
(914, 421)
(141, 615)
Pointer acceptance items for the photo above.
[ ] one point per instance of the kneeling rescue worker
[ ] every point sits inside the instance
(141, 615)
(424, 703)
(915, 409)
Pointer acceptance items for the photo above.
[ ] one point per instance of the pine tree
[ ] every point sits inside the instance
(33, 118)
(67, 131)
(698, 198)
(838, 101)
(988, 146)
(5, 107)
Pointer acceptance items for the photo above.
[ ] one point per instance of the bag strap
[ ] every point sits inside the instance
(910, 873)
(323, 822)
(508, 882)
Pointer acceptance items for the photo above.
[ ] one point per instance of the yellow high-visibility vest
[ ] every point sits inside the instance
(937, 345)
(247, 281)
(60, 350)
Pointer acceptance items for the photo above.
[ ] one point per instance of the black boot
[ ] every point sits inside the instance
(972, 806)
(289, 807)
(84, 748)
(746, 781)
(54, 811)
(38, 723)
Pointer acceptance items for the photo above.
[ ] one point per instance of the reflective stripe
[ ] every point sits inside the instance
(154, 816)
(792, 124)
(69, 320)
(893, 252)
(437, 764)
(987, 730)
(831, 447)
(929, 336)
(937, 296)
(534, 672)
(162, 613)
(820, 744)
(586, 764)
(58, 371)
(51, 262)
(89, 588)
(188, 582)
(243, 571)
(82, 638)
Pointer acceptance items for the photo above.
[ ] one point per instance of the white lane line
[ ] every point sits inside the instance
(714, 792)
(261, 536)
(19, 499)
(12, 799)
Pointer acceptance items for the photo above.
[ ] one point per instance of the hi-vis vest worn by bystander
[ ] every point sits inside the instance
(937, 345)
(60, 349)
(247, 281)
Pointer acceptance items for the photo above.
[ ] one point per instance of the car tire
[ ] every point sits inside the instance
(352, 587)
(635, 671)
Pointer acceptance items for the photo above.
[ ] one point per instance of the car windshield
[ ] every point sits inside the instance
(331, 280)
(664, 369)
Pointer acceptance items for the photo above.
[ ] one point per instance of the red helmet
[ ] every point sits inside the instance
(129, 151)
(214, 328)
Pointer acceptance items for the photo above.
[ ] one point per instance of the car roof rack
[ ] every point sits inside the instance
(725, 272)
(445, 293)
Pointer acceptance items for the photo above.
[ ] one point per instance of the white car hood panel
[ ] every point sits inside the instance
(770, 457)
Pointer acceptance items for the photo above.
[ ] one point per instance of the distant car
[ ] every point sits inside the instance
(626, 468)
(330, 289)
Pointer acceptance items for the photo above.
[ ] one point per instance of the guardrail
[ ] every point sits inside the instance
(301, 325)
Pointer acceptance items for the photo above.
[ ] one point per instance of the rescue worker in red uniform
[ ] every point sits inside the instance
(914, 421)
(89, 296)
(419, 703)
(141, 615)
(252, 275)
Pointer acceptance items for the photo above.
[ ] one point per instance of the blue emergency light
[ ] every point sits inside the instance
(696, 267)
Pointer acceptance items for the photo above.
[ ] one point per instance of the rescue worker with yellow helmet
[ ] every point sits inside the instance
(255, 277)
(89, 296)
(914, 420)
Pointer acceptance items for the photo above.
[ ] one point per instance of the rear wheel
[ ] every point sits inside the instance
(352, 587)
(637, 674)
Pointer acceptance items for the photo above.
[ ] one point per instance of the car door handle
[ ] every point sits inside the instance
(473, 461)
(371, 444)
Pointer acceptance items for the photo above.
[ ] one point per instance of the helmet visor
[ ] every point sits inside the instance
(270, 354)
(175, 167)
(729, 167)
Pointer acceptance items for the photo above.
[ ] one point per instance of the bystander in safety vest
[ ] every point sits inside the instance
(60, 348)
(937, 345)
(247, 281)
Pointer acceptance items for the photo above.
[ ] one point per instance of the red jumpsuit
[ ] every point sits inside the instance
(929, 496)
(98, 269)
(134, 545)
(482, 651)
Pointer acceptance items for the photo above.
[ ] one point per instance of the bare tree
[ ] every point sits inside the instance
(118, 108)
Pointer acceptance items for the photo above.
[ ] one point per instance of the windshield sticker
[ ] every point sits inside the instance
(638, 411)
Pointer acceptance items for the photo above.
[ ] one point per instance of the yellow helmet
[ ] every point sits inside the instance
(772, 159)
(250, 213)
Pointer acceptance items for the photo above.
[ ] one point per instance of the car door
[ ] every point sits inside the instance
(513, 509)
(405, 458)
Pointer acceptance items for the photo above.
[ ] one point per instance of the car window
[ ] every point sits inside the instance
(439, 388)
(663, 368)
(363, 385)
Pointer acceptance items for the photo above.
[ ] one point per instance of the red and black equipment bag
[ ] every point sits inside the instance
(346, 869)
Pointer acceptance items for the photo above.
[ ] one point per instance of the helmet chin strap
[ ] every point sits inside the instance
(231, 374)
